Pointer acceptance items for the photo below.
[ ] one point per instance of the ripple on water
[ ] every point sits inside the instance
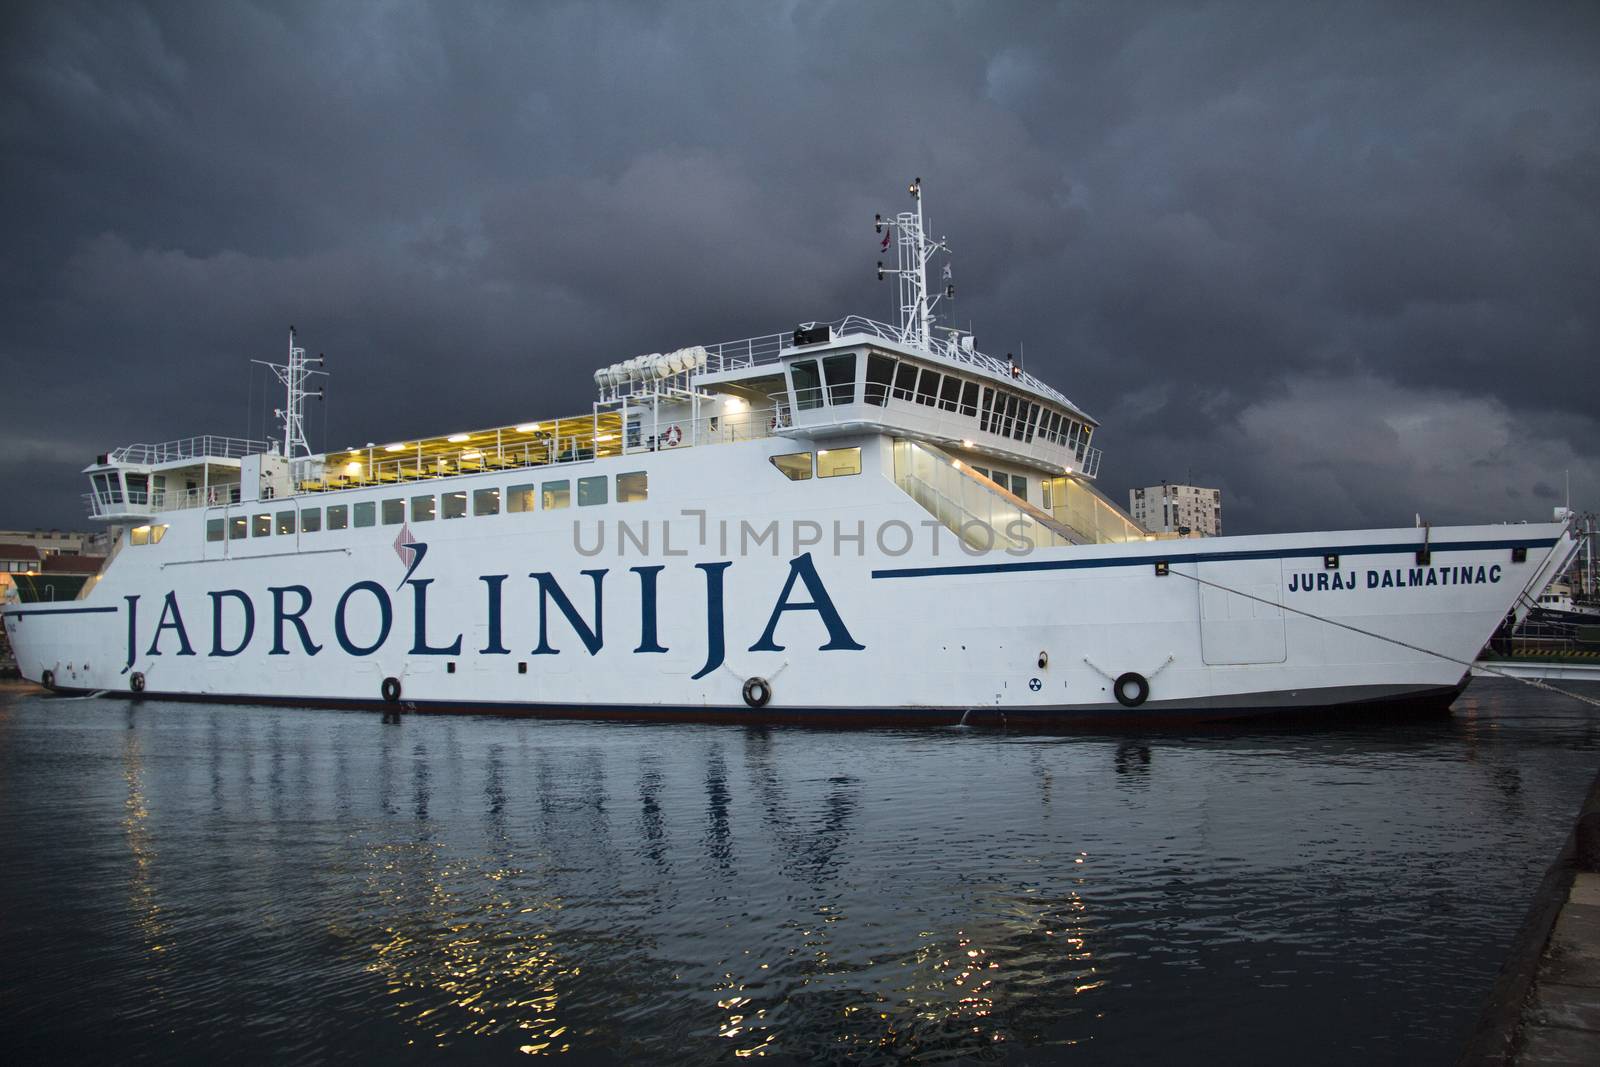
(270, 883)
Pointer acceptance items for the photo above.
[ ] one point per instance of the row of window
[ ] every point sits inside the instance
(832, 381)
(631, 487)
(1016, 484)
(827, 463)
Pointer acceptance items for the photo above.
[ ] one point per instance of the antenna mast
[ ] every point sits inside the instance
(913, 249)
(293, 376)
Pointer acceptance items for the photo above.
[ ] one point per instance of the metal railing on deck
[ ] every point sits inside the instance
(757, 351)
(207, 445)
(378, 468)
(101, 504)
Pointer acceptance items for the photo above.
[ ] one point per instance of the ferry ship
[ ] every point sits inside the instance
(847, 521)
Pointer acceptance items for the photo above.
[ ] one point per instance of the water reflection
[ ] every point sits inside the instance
(143, 902)
(672, 894)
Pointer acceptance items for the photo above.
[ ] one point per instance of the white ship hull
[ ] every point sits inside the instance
(562, 612)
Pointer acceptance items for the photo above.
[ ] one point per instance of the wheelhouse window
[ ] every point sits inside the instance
(286, 522)
(338, 516)
(880, 374)
(928, 386)
(633, 487)
(1015, 409)
(486, 501)
(310, 520)
(986, 417)
(838, 462)
(969, 398)
(807, 385)
(556, 495)
(366, 513)
(950, 393)
(214, 530)
(394, 511)
(840, 372)
(796, 466)
(905, 381)
(423, 508)
(522, 497)
(1029, 422)
(592, 491)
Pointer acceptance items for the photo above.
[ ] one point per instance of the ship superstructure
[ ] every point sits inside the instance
(847, 520)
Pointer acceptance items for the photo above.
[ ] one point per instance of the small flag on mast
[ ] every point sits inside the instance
(884, 245)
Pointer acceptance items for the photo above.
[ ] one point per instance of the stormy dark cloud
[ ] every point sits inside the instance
(1339, 260)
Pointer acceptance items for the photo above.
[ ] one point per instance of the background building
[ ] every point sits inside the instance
(1168, 508)
(59, 542)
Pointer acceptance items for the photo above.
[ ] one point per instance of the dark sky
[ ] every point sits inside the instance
(1342, 261)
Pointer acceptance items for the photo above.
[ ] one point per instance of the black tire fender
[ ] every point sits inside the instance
(391, 690)
(136, 681)
(48, 679)
(757, 692)
(1139, 684)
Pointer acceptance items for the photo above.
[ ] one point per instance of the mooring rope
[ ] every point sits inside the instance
(1535, 683)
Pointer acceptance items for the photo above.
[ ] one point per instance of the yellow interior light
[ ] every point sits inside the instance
(354, 466)
(603, 438)
(472, 455)
(394, 448)
(528, 427)
(734, 403)
(822, 451)
(457, 438)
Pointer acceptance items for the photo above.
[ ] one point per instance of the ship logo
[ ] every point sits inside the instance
(410, 552)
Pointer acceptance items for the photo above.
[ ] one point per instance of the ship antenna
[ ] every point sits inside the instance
(293, 376)
(913, 249)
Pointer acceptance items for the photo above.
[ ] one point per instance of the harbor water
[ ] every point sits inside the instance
(186, 881)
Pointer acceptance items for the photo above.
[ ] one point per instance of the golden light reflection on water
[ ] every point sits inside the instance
(142, 900)
(462, 967)
(967, 989)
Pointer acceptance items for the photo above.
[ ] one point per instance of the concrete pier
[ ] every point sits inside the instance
(1545, 1006)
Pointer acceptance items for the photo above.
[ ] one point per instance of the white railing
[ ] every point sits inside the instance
(819, 398)
(968, 503)
(375, 467)
(748, 352)
(103, 504)
(757, 351)
(207, 445)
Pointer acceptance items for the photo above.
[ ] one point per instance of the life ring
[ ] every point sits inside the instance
(391, 690)
(136, 681)
(1141, 689)
(672, 436)
(757, 692)
(48, 679)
